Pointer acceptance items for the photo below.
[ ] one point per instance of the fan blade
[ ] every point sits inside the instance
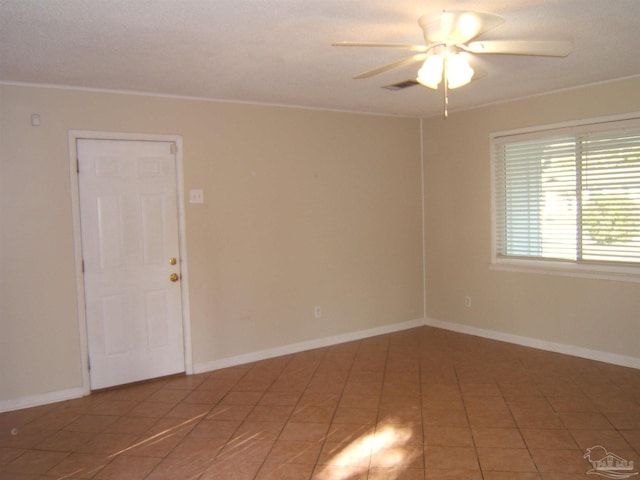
(455, 26)
(413, 48)
(520, 47)
(389, 66)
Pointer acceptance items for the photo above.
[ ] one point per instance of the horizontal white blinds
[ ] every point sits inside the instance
(573, 195)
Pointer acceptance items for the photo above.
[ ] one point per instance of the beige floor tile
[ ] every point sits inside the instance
(345, 414)
(488, 475)
(215, 429)
(400, 414)
(490, 389)
(560, 461)
(624, 420)
(34, 461)
(158, 445)
(612, 439)
(452, 474)
(108, 443)
(54, 420)
(280, 398)
(339, 472)
(398, 472)
(286, 451)
(633, 438)
(506, 460)
(241, 398)
(450, 458)
(230, 412)
(448, 436)
(258, 431)
(348, 432)
(193, 448)
(131, 424)
(536, 418)
(270, 413)
(572, 403)
(188, 410)
(151, 409)
(231, 470)
(92, 423)
(397, 455)
(548, 438)
(284, 471)
(305, 431)
(313, 413)
(584, 420)
(249, 450)
(79, 465)
(132, 468)
(498, 437)
(168, 395)
(444, 417)
(9, 454)
(485, 404)
(353, 454)
(178, 468)
(24, 437)
(491, 419)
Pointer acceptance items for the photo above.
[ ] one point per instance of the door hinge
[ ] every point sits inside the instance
(77, 165)
(173, 149)
(83, 265)
(89, 363)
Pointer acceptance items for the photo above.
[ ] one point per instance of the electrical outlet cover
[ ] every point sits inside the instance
(196, 196)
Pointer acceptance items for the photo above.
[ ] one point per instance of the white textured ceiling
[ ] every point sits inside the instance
(279, 51)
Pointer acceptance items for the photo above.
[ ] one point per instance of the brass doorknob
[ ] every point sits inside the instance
(172, 261)
(174, 277)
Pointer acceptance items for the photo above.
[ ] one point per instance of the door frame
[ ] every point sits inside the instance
(75, 135)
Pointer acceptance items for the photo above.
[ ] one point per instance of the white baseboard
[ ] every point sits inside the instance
(41, 399)
(302, 346)
(598, 355)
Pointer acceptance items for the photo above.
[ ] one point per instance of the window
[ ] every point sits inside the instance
(569, 195)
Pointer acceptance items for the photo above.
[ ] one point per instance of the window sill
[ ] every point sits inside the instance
(565, 269)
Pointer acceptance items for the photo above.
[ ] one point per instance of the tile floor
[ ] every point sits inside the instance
(418, 404)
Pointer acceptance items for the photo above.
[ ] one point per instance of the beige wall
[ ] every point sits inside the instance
(302, 208)
(591, 314)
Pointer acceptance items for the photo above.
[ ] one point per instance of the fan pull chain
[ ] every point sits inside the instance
(445, 81)
(446, 101)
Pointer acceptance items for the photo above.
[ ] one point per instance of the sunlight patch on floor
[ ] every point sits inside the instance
(386, 444)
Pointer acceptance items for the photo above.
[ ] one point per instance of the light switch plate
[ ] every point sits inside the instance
(196, 196)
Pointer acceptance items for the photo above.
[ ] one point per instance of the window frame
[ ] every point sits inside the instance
(571, 268)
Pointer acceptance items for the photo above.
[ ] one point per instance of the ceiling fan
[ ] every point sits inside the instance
(448, 42)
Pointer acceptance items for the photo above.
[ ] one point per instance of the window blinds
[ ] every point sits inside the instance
(571, 194)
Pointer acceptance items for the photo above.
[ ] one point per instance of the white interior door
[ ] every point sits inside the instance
(130, 247)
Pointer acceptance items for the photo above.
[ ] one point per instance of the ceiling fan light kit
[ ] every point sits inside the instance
(431, 72)
(452, 66)
(448, 36)
(458, 70)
